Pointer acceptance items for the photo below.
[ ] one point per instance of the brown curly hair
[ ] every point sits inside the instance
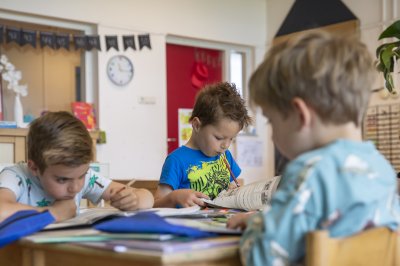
(220, 100)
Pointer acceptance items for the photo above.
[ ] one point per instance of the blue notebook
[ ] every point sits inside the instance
(149, 222)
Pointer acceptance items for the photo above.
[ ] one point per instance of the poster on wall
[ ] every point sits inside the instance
(249, 152)
(184, 126)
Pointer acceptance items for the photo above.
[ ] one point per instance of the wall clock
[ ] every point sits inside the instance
(120, 70)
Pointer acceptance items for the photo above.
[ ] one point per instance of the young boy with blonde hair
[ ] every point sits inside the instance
(57, 175)
(314, 90)
(201, 168)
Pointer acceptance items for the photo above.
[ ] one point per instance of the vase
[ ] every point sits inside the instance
(18, 111)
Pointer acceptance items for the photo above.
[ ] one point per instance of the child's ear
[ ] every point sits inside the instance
(303, 111)
(196, 124)
(34, 169)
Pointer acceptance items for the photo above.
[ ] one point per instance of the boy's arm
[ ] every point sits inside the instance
(61, 210)
(128, 198)
(165, 196)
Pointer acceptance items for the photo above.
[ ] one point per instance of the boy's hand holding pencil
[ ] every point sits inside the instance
(125, 197)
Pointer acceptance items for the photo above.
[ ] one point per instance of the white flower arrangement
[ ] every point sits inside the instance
(12, 76)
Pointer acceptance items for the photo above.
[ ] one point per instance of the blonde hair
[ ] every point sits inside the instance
(59, 138)
(330, 73)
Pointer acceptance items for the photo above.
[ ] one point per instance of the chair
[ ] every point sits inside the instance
(377, 246)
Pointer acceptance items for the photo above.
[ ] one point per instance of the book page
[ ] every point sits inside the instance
(253, 196)
(88, 216)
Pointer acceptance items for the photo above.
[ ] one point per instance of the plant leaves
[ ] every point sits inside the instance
(379, 49)
(389, 81)
(391, 31)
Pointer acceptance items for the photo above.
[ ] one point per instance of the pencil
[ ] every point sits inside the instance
(130, 183)
(230, 171)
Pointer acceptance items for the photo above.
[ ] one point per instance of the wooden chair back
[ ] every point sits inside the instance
(377, 246)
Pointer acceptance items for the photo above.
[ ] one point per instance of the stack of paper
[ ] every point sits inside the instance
(88, 234)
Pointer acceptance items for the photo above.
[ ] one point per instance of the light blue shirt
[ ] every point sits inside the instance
(344, 187)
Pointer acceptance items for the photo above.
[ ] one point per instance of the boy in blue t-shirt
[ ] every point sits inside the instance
(314, 90)
(201, 168)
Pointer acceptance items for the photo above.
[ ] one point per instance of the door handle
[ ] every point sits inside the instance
(171, 139)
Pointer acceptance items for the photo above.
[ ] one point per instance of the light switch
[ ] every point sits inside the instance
(147, 100)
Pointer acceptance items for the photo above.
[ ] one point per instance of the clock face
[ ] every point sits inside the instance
(120, 70)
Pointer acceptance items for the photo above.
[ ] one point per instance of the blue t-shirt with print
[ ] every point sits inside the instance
(191, 169)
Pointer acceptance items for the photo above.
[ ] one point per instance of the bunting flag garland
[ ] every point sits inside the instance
(111, 42)
(80, 42)
(93, 42)
(47, 39)
(28, 37)
(144, 41)
(129, 41)
(13, 35)
(62, 41)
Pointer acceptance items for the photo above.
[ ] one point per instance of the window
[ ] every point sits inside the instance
(236, 70)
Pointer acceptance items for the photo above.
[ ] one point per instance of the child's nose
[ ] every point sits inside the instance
(74, 187)
(225, 145)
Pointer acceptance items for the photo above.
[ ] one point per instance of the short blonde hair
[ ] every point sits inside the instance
(332, 74)
(59, 138)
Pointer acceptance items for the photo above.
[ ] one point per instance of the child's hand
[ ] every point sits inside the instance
(239, 220)
(232, 186)
(188, 197)
(63, 209)
(125, 199)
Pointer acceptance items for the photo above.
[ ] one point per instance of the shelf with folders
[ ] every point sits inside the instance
(382, 126)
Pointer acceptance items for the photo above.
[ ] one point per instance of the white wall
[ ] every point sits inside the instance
(136, 133)
(374, 16)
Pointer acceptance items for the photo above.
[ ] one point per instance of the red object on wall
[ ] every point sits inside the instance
(85, 112)
(188, 70)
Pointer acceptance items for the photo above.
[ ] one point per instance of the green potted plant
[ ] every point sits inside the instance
(388, 54)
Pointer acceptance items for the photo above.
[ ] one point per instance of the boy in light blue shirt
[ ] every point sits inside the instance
(314, 90)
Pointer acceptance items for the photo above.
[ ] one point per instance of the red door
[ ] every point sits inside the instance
(188, 69)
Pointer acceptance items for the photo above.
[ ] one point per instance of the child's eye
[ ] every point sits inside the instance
(62, 180)
(218, 138)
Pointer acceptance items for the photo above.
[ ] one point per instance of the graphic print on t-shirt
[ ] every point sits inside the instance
(210, 177)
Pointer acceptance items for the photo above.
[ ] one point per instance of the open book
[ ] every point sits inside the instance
(88, 216)
(250, 197)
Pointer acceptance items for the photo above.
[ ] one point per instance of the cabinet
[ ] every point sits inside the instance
(13, 144)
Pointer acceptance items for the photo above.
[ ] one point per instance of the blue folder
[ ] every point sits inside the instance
(149, 222)
(23, 223)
